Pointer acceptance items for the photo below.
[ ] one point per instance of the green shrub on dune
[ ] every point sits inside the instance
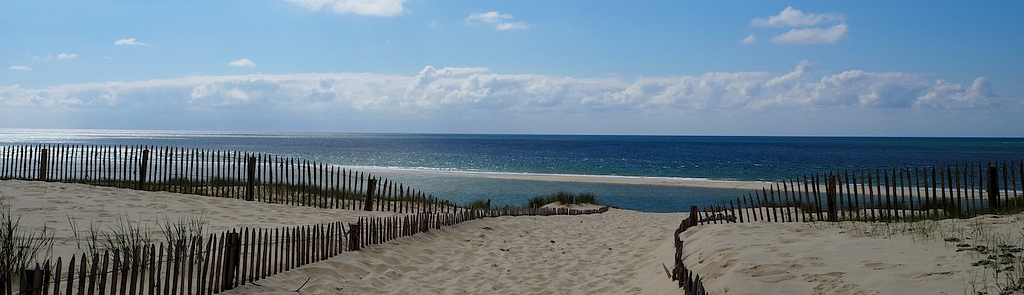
(564, 198)
(479, 205)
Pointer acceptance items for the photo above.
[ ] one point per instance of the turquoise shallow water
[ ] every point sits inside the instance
(422, 160)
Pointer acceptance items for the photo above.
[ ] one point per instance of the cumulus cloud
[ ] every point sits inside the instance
(501, 22)
(66, 56)
(245, 62)
(361, 7)
(945, 95)
(807, 28)
(20, 68)
(129, 42)
(791, 17)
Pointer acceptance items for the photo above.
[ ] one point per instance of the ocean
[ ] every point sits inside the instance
(509, 169)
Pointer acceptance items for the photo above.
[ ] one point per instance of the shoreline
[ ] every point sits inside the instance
(578, 178)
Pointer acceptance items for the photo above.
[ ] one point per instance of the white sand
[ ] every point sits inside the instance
(50, 204)
(849, 257)
(618, 252)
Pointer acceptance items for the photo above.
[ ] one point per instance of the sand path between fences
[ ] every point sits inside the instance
(618, 252)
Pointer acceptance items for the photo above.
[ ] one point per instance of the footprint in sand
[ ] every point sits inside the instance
(768, 273)
(882, 265)
(832, 283)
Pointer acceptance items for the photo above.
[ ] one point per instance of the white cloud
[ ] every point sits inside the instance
(458, 94)
(749, 39)
(491, 17)
(511, 26)
(245, 62)
(501, 22)
(807, 28)
(362, 7)
(945, 95)
(130, 42)
(66, 56)
(812, 35)
(790, 17)
(20, 68)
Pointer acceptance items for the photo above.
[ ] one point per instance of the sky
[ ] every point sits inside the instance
(774, 68)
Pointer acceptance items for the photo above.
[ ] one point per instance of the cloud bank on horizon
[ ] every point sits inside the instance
(462, 93)
(803, 100)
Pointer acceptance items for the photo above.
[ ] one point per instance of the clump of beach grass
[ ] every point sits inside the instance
(479, 204)
(124, 237)
(184, 232)
(20, 249)
(997, 257)
(564, 198)
(129, 235)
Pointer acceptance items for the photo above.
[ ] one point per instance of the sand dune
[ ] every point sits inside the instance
(852, 257)
(51, 204)
(618, 252)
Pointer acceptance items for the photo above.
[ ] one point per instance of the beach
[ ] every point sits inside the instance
(572, 178)
(617, 252)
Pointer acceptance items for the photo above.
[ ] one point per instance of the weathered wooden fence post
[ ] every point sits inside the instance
(232, 256)
(353, 235)
(32, 281)
(830, 197)
(250, 188)
(142, 169)
(693, 216)
(44, 158)
(371, 185)
(993, 189)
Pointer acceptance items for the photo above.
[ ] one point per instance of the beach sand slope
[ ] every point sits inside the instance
(618, 252)
(850, 257)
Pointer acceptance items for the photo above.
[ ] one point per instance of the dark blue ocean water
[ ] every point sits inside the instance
(454, 166)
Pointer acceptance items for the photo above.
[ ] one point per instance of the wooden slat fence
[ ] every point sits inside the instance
(229, 174)
(199, 265)
(899, 194)
(238, 257)
(896, 195)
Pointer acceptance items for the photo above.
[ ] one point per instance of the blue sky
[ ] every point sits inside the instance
(876, 68)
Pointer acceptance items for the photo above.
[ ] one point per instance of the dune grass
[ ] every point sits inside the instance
(563, 197)
(129, 234)
(478, 204)
(997, 256)
(20, 249)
